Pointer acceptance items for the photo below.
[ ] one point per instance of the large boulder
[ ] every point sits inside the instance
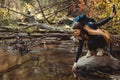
(95, 63)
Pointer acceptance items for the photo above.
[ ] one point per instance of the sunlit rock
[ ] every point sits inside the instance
(95, 63)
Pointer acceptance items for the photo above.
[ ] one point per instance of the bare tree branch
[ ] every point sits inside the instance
(43, 12)
(15, 11)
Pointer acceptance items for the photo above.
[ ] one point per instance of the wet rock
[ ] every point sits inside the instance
(95, 63)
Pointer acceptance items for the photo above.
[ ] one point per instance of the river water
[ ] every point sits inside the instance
(53, 62)
(47, 67)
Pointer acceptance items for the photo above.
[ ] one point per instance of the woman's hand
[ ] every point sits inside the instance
(112, 14)
(74, 67)
(74, 70)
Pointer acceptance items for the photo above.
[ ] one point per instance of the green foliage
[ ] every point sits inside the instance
(99, 10)
(13, 26)
(4, 17)
(30, 30)
(103, 9)
(3, 13)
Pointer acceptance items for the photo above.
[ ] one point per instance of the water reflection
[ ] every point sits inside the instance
(53, 62)
(49, 66)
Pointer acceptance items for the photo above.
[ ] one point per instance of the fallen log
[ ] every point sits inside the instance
(58, 35)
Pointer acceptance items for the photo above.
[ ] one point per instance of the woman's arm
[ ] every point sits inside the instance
(92, 31)
(80, 46)
(101, 32)
(102, 22)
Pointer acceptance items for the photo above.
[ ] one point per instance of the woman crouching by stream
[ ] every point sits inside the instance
(86, 28)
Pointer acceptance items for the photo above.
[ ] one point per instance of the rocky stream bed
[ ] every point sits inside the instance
(47, 61)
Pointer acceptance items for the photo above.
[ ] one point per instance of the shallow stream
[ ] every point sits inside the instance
(52, 62)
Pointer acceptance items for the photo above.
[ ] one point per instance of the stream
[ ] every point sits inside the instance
(50, 62)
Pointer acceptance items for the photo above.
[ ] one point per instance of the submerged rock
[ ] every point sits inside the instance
(95, 63)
